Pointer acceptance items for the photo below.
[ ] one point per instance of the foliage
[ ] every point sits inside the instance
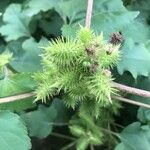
(75, 67)
(44, 118)
(11, 127)
(131, 137)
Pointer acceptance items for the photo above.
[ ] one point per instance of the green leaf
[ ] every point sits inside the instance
(76, 9)
(52, 26)
(73, 9)
(4, 59)
(27, 54)
(2, 47)
(3, 5)
(16, 84)
(13, 133)
(107, 22)
(63, 114)
(19, 105)
(132, 31)
(143, 7)
(108, 16)
(135, 58)
(120, 147)
(41, 121)
(143, 115)
(35, 6)
(134, 137)
(15, 23)
(108, 6)
(69, 31)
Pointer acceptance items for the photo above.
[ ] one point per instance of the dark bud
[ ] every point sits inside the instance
(116, 38)
(90, 50)
(96, 45)
(94, 67)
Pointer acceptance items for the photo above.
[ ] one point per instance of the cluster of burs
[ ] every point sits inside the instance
(80, 69)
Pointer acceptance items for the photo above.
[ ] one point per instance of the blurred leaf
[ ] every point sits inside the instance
(143, 7)
(3, 5)
(109, 6)
(52, 26)
(16, 84)
(107, 22)
(69, 31)
(2, 47)
(13, 133)
(4, 59)
(120, 147)
(27, 54)
(134, 137)
(15, 23)
(19, 105)
(132, 31)
(144, 115)
(35, 6)
(135, 58)
(41, 121)
(73, 9)
(63, 114)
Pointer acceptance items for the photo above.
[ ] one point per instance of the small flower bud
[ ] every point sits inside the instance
(116, 38)
(94, 67)
(90, 50)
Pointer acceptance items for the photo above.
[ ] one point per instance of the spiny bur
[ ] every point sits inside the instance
(80, 68)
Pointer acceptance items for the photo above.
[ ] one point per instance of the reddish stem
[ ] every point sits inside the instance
(89, 13)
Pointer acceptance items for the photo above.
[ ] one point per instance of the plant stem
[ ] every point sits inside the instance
(68, 146)
(16, 97)
(89, 13)
(91, 147)
(121, 87)
(63, 136)
(118, 125)
(131, 101)
(5, 72)
(131, 90)
(109, 132)
(59, 124)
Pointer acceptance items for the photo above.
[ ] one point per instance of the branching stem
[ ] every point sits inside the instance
(121, 87)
